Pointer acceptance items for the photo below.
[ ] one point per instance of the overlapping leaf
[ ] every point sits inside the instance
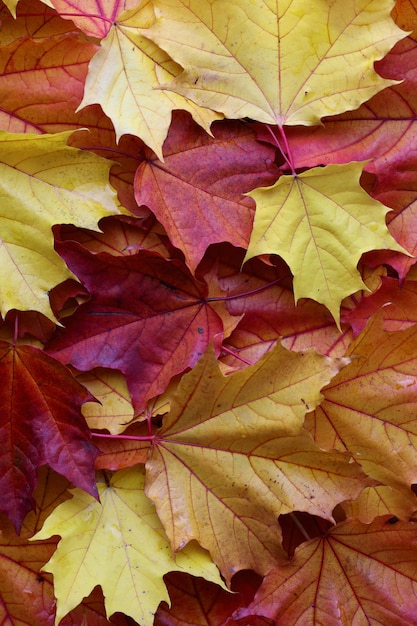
(232, 456)
(147, 317)
(383, 131)
(31, 71)
(308, 60)
(197, 193)
(320, 222)
(124, 77)
(369, 407)
(357, 573)
(397, 304)
(33, 19)
(44, 182)
(125, 529)
(26, 594)
(197, 602)
(150, 318)
(41, 423)
(93, 17)
(114, 408)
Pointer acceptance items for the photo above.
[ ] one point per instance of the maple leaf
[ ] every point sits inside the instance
(125, 528)
(354, 573)
(320, 222)
(93, 17)
(197, 192)
(26, 594)
(263, 296)
(306, 62)
(11, 5)
(381, 500)
(44, 182)
(123, 78)
(147, 317)
(378, 428)
(382, 130)
(40, 423)
(114, 408)
(395, 302)
(198, 602)
(119, 237)
(30, 73)
(33, 19)
(232, 455)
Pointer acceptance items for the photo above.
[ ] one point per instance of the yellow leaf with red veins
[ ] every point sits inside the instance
(124, 78)
(232, 456)
(381, 500)
(354, 574)
(44, 182)
(114, 409)
(27, 594)
(119, 544)
(370, 408)
(308, 60)
(320, 222)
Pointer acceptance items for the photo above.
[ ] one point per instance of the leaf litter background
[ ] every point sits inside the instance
(184, 254)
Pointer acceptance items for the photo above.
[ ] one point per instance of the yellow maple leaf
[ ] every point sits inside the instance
(11, 5)
(120, 545)
(114, 410)
(320, 222)
(232, 456)
(124, 77)
(44, 182)
(289, 62)
(369, 409)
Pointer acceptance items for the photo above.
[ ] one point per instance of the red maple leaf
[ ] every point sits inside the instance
(147, 317)
(40, 422)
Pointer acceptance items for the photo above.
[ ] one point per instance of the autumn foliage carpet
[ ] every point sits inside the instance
(208, 331)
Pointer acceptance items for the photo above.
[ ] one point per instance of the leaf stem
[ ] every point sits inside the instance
(16, 329)
(299, 526)
(285, 151)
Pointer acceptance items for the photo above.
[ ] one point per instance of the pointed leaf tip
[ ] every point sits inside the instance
(320, 222)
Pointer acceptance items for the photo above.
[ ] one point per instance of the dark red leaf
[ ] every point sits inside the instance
(147, 317)
(40, 423)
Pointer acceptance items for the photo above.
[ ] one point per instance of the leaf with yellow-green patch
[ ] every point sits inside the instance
(124, 78)
(232, 456)
(44, 182)
(320, 222)
(308, 60)
(120, 545)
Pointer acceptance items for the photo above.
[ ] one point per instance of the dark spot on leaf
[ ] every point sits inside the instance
(39, 578)
(200, 330)
(392, 520)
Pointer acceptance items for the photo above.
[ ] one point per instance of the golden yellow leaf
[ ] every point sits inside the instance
(289, 62)
(124, 76)
(369, 409)
(381, 500)
(120, 545)
(232, 456)
(114, 410)
(320, 222)
(44, 182)
(11, 5)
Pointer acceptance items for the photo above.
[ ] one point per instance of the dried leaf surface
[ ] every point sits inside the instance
(232, 456)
